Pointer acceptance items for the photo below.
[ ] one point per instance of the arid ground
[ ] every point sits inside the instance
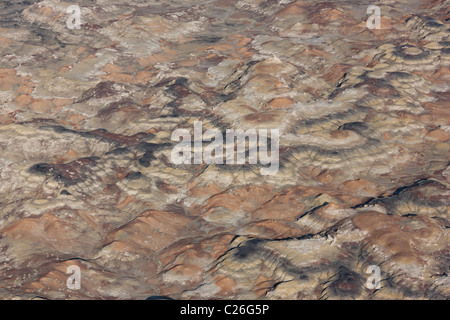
(87, 180)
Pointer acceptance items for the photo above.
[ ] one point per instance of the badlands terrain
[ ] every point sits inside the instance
(87, 114)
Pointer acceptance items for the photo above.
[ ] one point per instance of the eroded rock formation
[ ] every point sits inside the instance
(86, 176)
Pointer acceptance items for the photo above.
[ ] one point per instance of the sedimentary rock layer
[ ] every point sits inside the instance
(86, 177)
